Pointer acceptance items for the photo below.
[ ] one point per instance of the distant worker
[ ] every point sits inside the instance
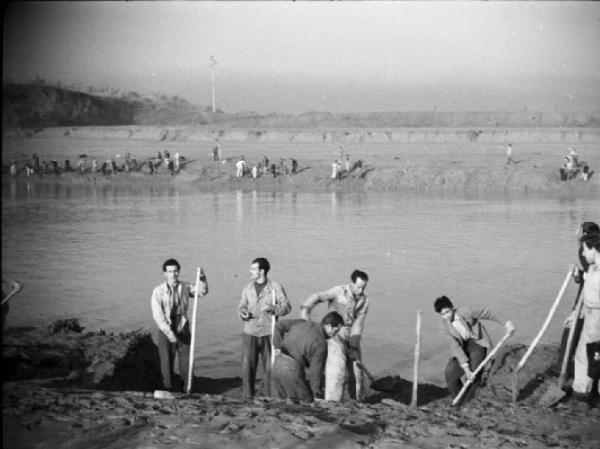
(261, 300)
(469, 343)
(585, 172)
(348, 163)
(176, 161)
(13, 167)
(294, 166)
(300, 356)
(169, 309)
(265, 164)
(509, 154)
(336, 170)
(351, 302)
(240, 166)
(574, 156)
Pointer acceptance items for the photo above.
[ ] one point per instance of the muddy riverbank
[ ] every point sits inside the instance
(95, 390)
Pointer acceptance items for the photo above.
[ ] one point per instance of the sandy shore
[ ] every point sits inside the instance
(95, 390)
(429, 164)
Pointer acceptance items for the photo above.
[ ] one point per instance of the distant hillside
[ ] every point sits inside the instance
(35, 106)
(39, 106)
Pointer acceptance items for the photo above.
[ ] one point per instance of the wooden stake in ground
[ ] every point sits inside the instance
(480, 367)
(193, 341)
(536, 340)
(413, 401)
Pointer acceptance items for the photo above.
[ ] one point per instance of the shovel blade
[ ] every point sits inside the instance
(552, 396)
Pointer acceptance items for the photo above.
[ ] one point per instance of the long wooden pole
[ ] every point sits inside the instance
(565, 361)
(415, 386)
(538, 337)
(480, 367)
(13, 292)
(193, 340)
(273, 332)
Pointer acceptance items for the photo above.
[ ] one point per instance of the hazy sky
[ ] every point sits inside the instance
(327, 56)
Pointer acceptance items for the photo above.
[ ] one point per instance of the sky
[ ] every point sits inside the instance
(294, 57)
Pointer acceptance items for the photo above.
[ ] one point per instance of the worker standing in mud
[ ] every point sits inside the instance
(509, 153)
(169, 303)
(262, 300)
(469, 343)
(586, 228)
(587, 355)
(300, 356)
(351, 302)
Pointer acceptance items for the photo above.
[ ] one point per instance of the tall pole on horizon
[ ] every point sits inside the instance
(212, 65)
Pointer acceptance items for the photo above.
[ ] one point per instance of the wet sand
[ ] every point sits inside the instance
(94, 390)
(425, 164)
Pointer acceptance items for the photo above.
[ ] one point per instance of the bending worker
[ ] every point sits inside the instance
(352, 304)
(469, 343)
(301, 353)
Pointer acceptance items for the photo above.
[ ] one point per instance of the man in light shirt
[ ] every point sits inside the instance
(169, 309)
(469, 343)
(262, 299)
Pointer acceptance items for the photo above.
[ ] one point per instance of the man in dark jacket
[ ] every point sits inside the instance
(301, 352)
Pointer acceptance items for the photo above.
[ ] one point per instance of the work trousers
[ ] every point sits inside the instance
(454, 371)
(253, 348)
(167, 352)
(289, 380)
(341, 372)
(582, 382)
(563, 346)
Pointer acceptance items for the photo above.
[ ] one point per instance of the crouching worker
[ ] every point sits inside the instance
(351, 302)
(300, 356)
(469, 344)
(169, 308)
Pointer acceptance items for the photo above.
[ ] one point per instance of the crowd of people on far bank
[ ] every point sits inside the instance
(85, 165)
(306, 360)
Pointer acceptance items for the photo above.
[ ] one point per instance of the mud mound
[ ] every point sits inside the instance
(124, 361)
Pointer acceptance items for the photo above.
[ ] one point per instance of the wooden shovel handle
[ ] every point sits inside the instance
(480, 367)
(565, 361)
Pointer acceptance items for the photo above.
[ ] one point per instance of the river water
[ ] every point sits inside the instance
(95, 253)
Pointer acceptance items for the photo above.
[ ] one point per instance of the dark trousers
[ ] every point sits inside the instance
(253, 348)
(167, 352)
(454, 371)
(289, 380)
(563, 346)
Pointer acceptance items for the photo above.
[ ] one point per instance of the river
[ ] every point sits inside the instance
(95, 253)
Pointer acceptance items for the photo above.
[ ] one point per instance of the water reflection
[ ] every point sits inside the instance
(239, 206)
